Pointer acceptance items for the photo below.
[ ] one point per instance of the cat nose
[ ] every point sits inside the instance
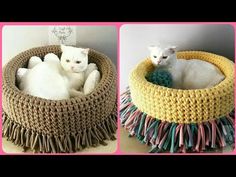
(72, 67)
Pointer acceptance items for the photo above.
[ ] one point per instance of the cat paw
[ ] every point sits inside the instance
(51, 57)
(33, 61)
(20, 74)
(91, 82)
(91, 67)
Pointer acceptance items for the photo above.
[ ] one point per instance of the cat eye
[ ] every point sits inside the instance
(67, 60)
(78, 62)
(155, 56)
(164, 57)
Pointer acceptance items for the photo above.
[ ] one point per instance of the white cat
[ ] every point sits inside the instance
(83, 77)
(56, 79)
(186, 74)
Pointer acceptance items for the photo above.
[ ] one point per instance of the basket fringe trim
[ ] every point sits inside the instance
(165, 136)
(44, 143)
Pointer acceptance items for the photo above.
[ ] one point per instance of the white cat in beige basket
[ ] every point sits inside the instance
(56, 79)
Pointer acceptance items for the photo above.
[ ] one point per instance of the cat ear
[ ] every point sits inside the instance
(63, 47)
(152, 47)
(85, 51)
(172, 49)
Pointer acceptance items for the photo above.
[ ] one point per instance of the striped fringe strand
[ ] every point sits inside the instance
(165, 136)
(44, 143)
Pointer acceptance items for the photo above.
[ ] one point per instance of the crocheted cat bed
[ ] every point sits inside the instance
(172, 120)
(59, 126)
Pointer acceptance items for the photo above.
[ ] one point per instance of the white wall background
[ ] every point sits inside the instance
(16, 39)
(218, 39)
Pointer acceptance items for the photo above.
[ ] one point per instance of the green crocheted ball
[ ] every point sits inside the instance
(160, 77)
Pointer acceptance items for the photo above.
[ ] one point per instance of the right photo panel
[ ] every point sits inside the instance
(177, 88)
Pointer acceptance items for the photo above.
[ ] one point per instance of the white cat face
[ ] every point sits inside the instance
(74, 59)
(161, 57)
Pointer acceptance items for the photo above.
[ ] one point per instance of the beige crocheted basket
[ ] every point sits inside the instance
(59, 126)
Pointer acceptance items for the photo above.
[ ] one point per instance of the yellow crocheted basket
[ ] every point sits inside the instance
(153, 112)
(184, 106)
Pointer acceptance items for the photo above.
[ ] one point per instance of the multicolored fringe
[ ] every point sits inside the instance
(165, 136)
(39, 142)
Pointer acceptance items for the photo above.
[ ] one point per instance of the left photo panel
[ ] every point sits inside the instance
(59, 92)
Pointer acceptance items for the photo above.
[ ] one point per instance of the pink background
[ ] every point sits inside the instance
(118, 25)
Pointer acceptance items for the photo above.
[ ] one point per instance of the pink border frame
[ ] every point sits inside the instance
(117, 25)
